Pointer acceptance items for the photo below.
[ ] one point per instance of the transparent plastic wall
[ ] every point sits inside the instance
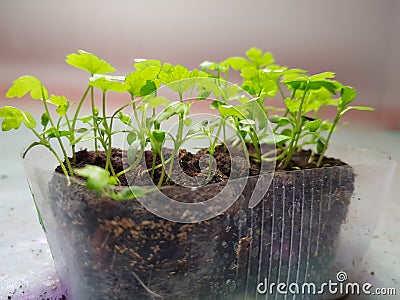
(310, 226)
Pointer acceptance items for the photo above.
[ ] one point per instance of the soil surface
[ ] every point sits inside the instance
(120, 249)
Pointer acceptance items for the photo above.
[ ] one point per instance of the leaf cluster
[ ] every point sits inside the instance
(249, 107)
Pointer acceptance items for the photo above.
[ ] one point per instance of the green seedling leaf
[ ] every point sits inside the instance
(62, 109)
(173, 73)
(362, 108)
(322, 76)
(133, 150)
(247, 122)
(130, 193)
(155, 102)
(173, 77)
(187, 122)
(106, 84)
(86, 119)
(212, 66)
(143, 81)
(313, 125)
(216, 104)
(157, 139)
(13, 117)
(281, 121)
(172, 109)
(325, 126)
(89, 62)
(258, 58)
(198, 127)
(141, 64)
(347, 95)
(97, 178)
(124, 118)
(82, 130)
(158, 136)
(292, 105)
(237, 63)
(320, 146)
(296, 84)
(61, 133)
(58, 100)
(131, 137)
(45, 119)
(27, 84)
(227, 110)
(273, 138)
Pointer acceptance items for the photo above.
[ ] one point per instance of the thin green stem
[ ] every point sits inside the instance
(297, 129)
(74, 120)
(95, 124)
(108, 142)
(57, 134)
(335, 122)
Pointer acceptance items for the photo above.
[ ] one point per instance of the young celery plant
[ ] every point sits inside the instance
(347, 95)
(94, 65)
(107, 84)
(14, 117)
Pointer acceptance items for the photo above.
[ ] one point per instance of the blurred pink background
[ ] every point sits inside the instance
(358, 39)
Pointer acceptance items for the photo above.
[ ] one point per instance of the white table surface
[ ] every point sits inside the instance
(26, 267)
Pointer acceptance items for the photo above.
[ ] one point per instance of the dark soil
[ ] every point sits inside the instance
(120, 250)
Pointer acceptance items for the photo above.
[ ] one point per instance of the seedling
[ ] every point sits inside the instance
(298, 125)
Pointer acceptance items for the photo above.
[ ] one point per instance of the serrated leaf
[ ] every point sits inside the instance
(259, 58)
(62, 109)
(57, 100)
(212, 66)
(142, 82)
(177, 78)
(97, 177)
(237, 63)
(89, 62)
(27, 84)
(173, 73)
(13, 117)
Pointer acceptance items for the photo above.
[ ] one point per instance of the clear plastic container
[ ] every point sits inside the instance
(311, 226)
